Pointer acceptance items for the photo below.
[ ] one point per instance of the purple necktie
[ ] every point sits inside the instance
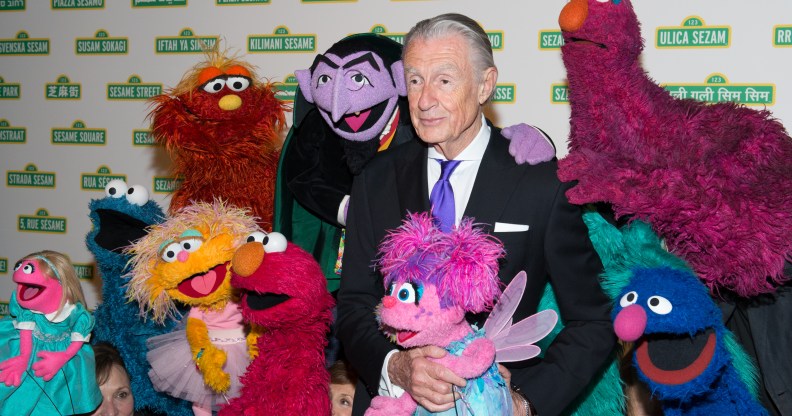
(442, 197)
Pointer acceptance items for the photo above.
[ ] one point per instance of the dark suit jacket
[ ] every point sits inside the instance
(556, 248)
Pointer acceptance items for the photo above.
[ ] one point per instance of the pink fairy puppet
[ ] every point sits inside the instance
(432, 280)
(46, 365)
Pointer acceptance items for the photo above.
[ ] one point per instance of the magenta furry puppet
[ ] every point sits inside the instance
(284, 293)
(713, 180)
(432, 279)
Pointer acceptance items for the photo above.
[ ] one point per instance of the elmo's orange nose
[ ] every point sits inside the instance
(573, 15)
(247, 259)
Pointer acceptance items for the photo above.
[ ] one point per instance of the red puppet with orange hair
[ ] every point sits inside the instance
(221, 127)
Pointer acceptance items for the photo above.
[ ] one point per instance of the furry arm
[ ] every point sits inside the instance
(11, 370)
(252, 340)
(403, 405)
(177, 126)
(50, 362)
(207, 357)
(474, 361)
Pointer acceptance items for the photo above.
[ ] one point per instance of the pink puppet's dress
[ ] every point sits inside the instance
(486, 394)
(173, 369)
(73, 389)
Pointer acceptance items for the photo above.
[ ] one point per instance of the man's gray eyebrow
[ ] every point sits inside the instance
(442, 68)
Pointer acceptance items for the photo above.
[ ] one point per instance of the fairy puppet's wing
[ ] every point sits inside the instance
(514, 342)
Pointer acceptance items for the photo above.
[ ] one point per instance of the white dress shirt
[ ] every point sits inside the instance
(461, 180)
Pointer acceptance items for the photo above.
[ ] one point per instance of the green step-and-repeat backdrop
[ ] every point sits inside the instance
(75, 77)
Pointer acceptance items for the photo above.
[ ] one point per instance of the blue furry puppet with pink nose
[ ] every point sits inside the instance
(683, 352)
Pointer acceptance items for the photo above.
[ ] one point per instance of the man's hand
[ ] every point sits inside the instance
(518, 405)
(505, 373)
(428, 383)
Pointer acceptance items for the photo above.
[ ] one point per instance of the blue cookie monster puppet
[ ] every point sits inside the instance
(684, 353)
(119, 219)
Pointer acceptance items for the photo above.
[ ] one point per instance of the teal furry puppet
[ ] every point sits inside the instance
(691, 363)
(119, 219)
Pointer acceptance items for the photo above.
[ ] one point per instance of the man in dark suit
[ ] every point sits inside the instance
(450, 75)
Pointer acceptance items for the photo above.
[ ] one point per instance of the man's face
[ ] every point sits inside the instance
(444, 92)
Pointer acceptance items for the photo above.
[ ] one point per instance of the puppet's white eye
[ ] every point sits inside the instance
(171, 252)
(257, 236)
(28, 268)
(405, 293)
(116, 188)
(137, 195)
(17, 266)
(214, 85)
(659, 305)
(360, 80)
(237, 83)
(628, 299)
(323, 79)
(191, 244)
(603, 1)
(274, 243)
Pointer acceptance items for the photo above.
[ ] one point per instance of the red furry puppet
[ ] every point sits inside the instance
(283, 291)
(221, 127)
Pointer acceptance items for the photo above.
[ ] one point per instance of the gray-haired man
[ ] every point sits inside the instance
(450, 76)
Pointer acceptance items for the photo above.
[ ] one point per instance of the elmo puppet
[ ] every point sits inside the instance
(283, 291)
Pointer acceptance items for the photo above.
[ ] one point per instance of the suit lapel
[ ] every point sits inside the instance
(411, 180)
(496, 180)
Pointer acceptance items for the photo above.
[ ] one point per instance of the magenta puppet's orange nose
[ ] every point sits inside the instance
(573, 15)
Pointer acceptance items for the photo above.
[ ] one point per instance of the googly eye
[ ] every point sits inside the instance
(214, 86)
(116, 188)
(28, 268)
(237, 83)
(406, 293)
(275, 243)
(628, 299)
(360, 80)
(257, 236)
(171, 252)
(322, 80)
(137, 195)
(190, 245)
(659, 305)
(389, 289)
(17, 266)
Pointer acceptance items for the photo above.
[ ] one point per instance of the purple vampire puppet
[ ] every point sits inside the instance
(351, 104)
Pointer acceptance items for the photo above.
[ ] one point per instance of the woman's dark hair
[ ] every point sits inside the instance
(342, 373)
(106, 356)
